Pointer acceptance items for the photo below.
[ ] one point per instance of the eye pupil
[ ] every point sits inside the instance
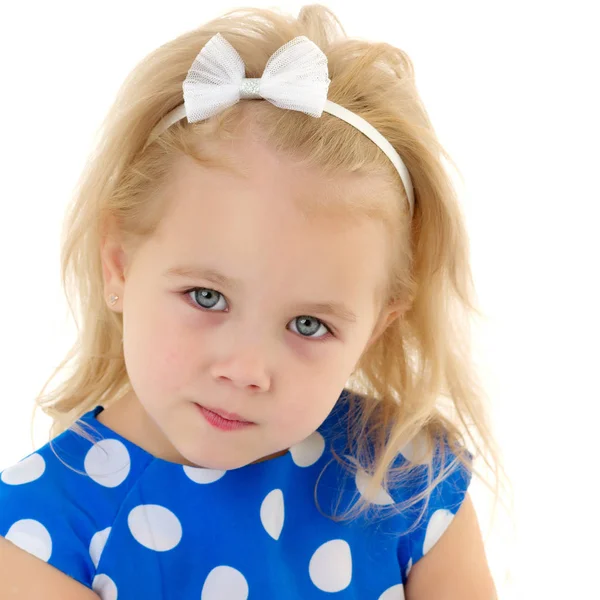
(203, 295)
(311, 321)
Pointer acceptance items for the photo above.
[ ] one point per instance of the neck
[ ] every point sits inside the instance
(127, 417)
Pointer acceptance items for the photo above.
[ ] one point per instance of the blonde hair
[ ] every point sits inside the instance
(417, 381)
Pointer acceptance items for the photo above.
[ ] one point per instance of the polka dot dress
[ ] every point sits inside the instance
(129, 525)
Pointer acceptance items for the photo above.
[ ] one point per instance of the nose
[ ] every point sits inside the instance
(243, 367)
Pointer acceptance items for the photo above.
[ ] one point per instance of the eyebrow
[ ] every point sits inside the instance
(336, 309)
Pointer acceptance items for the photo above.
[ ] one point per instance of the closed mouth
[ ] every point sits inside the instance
(227, 415)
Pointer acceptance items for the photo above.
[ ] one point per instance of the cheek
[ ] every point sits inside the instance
(306, 403)
(312, 391)
(155, 352)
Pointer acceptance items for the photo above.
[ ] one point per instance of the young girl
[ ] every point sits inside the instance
(272, 275)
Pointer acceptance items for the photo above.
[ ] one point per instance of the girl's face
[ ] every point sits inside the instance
(239, 303)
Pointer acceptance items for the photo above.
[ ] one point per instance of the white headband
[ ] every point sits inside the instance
(295, 78)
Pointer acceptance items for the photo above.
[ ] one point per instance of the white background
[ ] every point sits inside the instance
(512, 89)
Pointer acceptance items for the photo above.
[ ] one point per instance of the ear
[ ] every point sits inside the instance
(112, 256)
(388, 315)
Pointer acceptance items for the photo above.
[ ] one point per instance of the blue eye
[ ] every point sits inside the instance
(311, 325)
(207, 299)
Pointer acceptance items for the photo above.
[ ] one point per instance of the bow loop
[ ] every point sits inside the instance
(213, 81)
(296, 77)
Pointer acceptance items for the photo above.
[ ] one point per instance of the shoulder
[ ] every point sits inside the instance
(58, 502)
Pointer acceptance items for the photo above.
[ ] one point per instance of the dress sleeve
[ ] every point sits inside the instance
(434, 513)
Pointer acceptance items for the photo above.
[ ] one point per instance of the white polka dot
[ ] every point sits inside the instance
(381, 497)
(396, 592)
(309, 451)
(105, 587)
(330, 567)
(155, 527)
(107, 463)
(437, 525)
(408, 568)
(97, 545)
(272, 513)
(199, 475)
(32, 537)
(225, 582)
(26, 471)
(416, 450)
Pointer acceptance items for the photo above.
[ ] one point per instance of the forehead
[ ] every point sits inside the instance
(263, 216)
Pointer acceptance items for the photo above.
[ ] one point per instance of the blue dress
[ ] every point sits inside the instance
(130, 525)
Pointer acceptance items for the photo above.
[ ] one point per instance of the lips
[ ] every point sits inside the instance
(227, 415)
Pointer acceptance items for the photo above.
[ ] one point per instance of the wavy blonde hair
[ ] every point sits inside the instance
(417, 381)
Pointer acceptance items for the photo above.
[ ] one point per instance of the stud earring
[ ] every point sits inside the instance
(113, 299)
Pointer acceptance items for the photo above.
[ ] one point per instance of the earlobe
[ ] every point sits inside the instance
(112, 257)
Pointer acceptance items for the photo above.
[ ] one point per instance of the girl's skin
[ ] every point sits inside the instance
(249, 351)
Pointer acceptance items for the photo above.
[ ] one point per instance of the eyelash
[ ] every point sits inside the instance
(186, 294)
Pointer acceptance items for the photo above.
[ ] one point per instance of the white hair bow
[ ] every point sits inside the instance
(295, 78)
